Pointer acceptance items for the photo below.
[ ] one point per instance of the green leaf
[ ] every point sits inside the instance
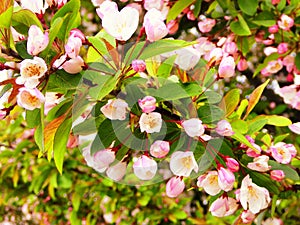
(279, 121)
(99, 44)
(21, 48)
(5, 17)
(280, 138)
(256, 124)
(239, 125)
(23, 19)
(177, 8)
(281, 5)
(268, 59)
(154, 49)
(210, 113)
(241, 138)
(164, 70)
(288, 171)
(265, 23)
(248, 7)
(230, 101)
(255, 96)
(61, 138)
(76, 199)
(33, 117)
(297, 61)
(241, 108)
(143, 200)
(62, 81)
(237, 28)
(263, 180)
(211, 97)
(197, 8)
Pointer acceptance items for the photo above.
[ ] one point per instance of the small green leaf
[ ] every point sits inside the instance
(256, 124)
(210, 113)
(239, 125)
(23, 19)
(242, 139)
(297, 61)
(164, 70)
(255, 96)
(76, 199)
(177, 8)
(279, 121)
(280, 138)
(197, 8)
(231, 101)
(5, 17)
(242, 107)
(237, 28)
(248, 7)
(33, 117)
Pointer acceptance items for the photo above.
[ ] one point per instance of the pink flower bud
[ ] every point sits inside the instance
(190, 15)
(273, 29)
(78, 34)
(73, 46)
(242, 64)
(155, 27)
(224, 128)
(160, 149)
(72, 141)
(172, 26)
(232, 164)
(227, 67)
(37, 40)
(117, 171)
(138, 65)
(144, 167)
(247, 216)
(275, 2)
(174, 187)
(193, 127)
(277, 175)
(230, 47)
(147, 104)
(206, 25)
(225, 179)
(282, 48)
(73, 65)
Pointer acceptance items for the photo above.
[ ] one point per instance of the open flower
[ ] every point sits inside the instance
(160, 149)
(223, 206)
(183, 163)
(285, 22)
(253, 197)
(37, 41)
(209, 182)
(260, 164)
(147, 104)
(206, 25)
(102, 159)
(121, 25)
(117, 171)
(224, 128)
(174, 187)
(30, 98)
(282, 152)
(31, 70)
(193, 127)
(277, 175)
(115, 109)
(106, 7)
(145, 167)
(150, 122)
(227, 67)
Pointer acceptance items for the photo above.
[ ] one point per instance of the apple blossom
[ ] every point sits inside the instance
(283, 153)
(78, 34)
(73, 46)
(253, 197)
(272, 221)
(187, 58)
(174, 187)
(144, 167)
(150, 4)
(37, 41)
(206, 25)
(155, 27)
(273, 29)
(285, 22)
(275, 2)
(36, 6)
(295, 127)
(209, 182)
(227, 67)
(282, 48)
(223, 206)
(288, 93)
(260, 164)
(115, 109)
(150, 122)
(117, 171)
(106, 7)
(31, 70)
(159, 149)
(216, 55)
(193, 127)
(232, 164)
(289, 62)
(183, 163)
(73, 65)
(121, 25)
(224, 128)
(30, 99)
(102, 159)
(247, 216)
(173, 26)
(230, 47)
(86, 153)
(138, 65)
(147, 104)
(225, 179)
(242, 64)
(277, 175)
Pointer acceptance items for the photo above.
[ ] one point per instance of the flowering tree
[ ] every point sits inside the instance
(113, 110)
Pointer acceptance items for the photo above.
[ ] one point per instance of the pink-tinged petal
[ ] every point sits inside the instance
(174, 187)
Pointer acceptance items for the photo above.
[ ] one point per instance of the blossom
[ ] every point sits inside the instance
(295, 127)
(73, 46)
(272, 221)
(150, 122)
(182, 163)
(30, 99)
(209, 182)
(282, 48)
(121, 25)
(247, 216)
(37, 41)
(138, 65)
(285, 22)
(282, 152)
(106, 7)
(277, 175)
(150, 4)
(206, 25)
(174, 187)
(227, 67)
(273, 29)
(73, 65)
(173, 26)
(225, 179)
(193, 127)
(230, 47)
(187, 58)
(242, 64)
(115, 109)
(253, 197)
(159, 149)
(31, 70)
(224, 128)
(144, 167)
(223, 206)
(102, 159)
(147, 104)
(117, 171)
(155, 27)
(215, 55)
(260, 164)
(36, 6)
(232, 164)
